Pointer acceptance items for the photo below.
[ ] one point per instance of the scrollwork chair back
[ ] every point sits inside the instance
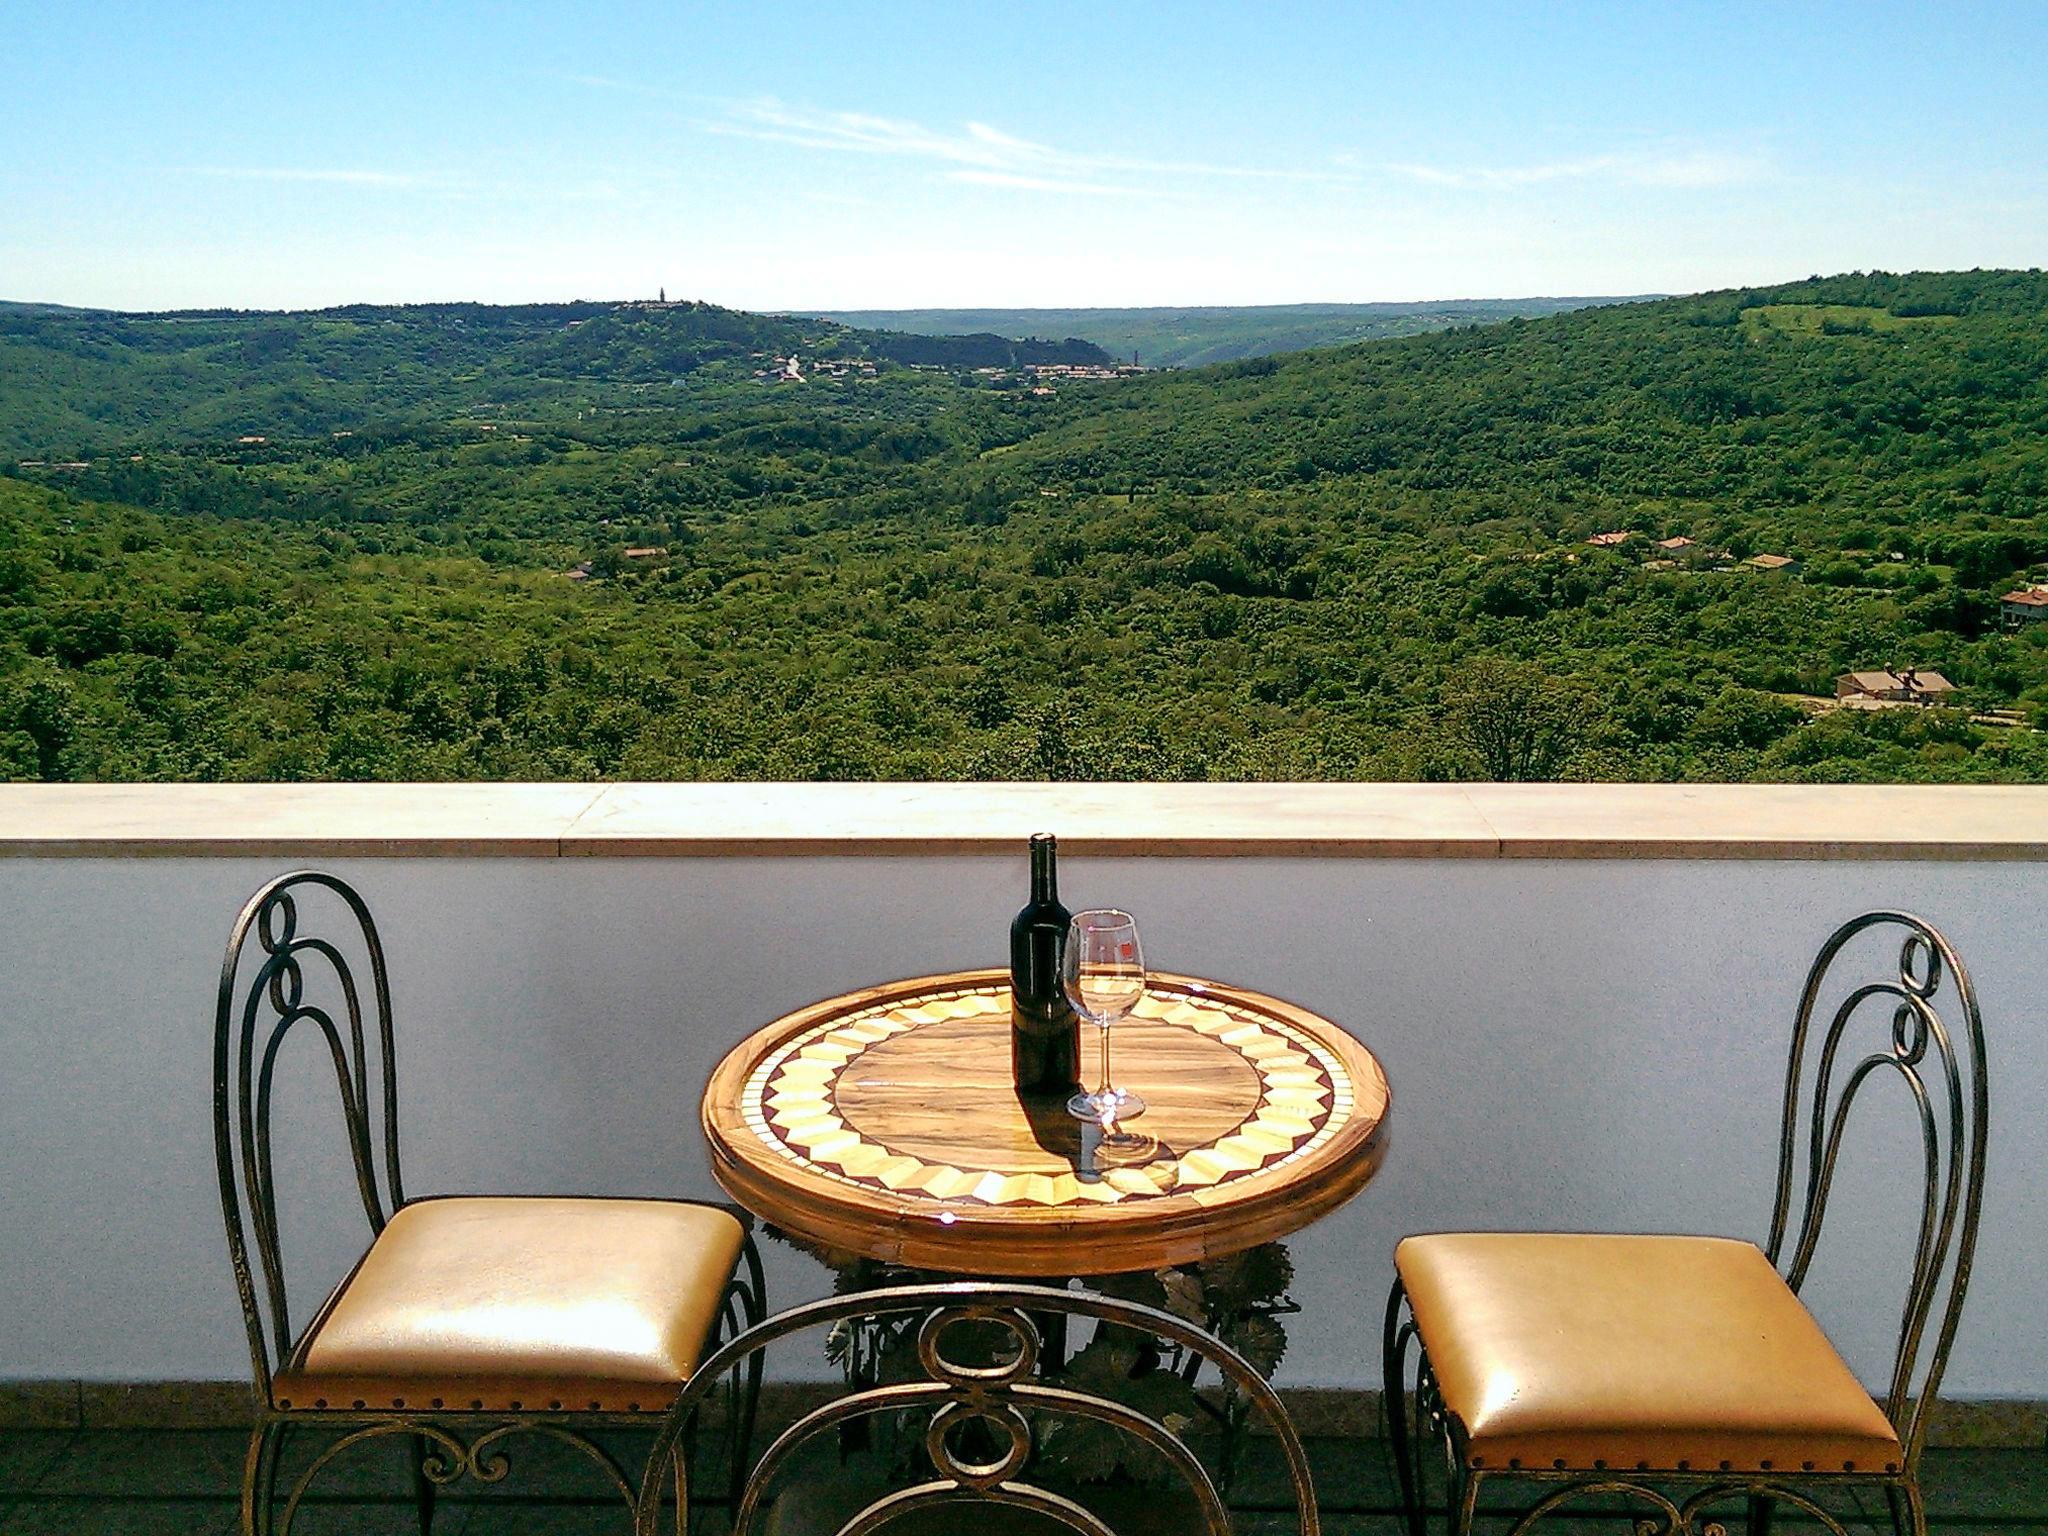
(1943, 1070)
(253, 1018)
(1010, 1399)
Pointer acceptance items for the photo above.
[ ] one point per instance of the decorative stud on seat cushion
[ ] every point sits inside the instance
(1634, 1353)
(508, 1304)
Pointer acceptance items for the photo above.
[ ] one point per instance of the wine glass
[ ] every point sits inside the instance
(1103, 973)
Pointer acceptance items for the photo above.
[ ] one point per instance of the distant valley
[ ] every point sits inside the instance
(1187, 337)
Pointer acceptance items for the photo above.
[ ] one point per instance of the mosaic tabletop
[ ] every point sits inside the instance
(884, 1123)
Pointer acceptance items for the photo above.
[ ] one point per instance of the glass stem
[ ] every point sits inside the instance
(1103, 1090)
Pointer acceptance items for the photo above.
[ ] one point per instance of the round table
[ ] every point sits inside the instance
(884, 1123)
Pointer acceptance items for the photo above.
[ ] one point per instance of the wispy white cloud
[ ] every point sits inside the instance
(997, 157)
(1674, 167)
(975, 153)
(974, 144)
(331, 176)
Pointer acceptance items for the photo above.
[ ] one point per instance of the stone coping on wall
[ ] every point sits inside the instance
(1551, 821)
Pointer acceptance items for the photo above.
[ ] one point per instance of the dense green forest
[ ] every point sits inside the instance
(1190, 336)
(328, 546)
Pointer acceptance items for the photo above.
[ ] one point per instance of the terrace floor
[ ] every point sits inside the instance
(138, 1483)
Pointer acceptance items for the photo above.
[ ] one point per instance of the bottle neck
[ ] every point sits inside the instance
(1044, 874)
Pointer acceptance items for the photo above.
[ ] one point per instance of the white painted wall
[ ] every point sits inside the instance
(1572, 1044)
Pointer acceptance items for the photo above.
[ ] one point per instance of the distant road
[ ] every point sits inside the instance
(1186, 337)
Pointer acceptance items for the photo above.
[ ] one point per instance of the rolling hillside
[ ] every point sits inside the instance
(74, 381)
(1370, 561)
(1836, 397)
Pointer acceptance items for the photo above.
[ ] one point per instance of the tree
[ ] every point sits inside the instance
(1743, 717)
(41, 708)
(1521, 723)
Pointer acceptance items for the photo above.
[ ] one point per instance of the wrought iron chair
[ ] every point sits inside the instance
(982, 1406)
(1683, 1374)
(467, 1321)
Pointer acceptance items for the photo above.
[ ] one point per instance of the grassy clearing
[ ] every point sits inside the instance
(1832, 320)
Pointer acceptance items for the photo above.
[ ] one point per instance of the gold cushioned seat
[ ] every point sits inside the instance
(1634, 1353)
(520, 1304)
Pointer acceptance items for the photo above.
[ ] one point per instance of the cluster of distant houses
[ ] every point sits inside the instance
(1073, 370)
(1042, 376)
(790, 370)
(1884, 688)
(1690, 551)
(2020, 608)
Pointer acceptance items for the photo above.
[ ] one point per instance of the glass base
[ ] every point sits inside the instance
(1107, 1107)
(1103, 1148)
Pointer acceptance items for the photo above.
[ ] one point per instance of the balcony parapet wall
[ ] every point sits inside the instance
(1582, 995)
(1539, 821)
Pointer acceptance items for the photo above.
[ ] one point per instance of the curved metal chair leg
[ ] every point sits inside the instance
(1462, 1502)
(1394, 1364)
(422, 1485)
(259, 1479)
(254, 1518)
(1909, 1513)
(745, 1401)
(274, 1473)
(687, 1444)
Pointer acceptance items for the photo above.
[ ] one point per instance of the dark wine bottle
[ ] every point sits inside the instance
(1045, 1037)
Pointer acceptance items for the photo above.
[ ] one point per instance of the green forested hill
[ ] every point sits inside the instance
(1360, 562)
(1191, 336)
(1851, 394)
(73, 382)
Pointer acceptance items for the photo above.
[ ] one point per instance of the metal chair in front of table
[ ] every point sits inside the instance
(1680, 1376)
(961, 1389)
(467, 1322)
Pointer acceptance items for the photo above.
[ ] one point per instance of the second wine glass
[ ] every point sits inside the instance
(1103, 972)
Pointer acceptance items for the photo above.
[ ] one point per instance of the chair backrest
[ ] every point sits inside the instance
(1012, 1406)
(295, 983)
(1944, 1072)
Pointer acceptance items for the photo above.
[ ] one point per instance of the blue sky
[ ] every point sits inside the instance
(776, 155)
